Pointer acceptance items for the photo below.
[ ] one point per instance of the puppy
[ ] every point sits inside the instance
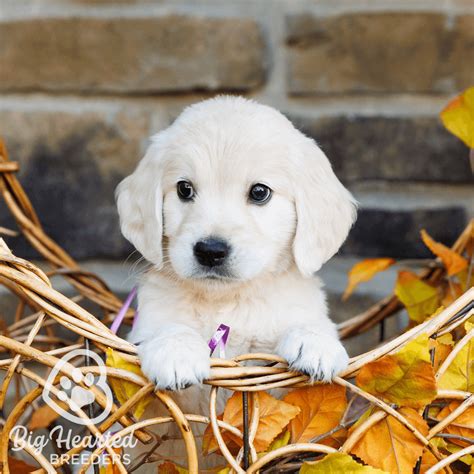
(235, 210)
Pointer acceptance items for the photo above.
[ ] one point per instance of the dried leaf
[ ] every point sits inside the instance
(335, 463)
(390, 446)
(405, 378)
(321, 409)
(428, 460)
(169, 467)
(274, 416)
(420, 299)
(44, 416)
(462, 426)
(110, 467)
(365, 271)
(458, 117)
(452, 261)
(460, 373)
(124, 390)
(17, 466)
(442, 347)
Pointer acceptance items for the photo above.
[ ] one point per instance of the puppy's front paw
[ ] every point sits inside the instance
(174, 360)
(319, 356)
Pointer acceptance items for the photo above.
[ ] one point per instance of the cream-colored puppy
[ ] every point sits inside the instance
(236, 210)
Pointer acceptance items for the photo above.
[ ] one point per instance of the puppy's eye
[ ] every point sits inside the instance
(185, 190)
(260, 194)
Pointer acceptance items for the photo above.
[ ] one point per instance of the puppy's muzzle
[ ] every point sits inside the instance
(211, 252)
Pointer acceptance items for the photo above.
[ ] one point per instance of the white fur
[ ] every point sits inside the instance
(270, 297)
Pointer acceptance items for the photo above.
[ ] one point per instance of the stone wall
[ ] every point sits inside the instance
(83, 83)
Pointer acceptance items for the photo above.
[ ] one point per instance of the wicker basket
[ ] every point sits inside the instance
(36, 340)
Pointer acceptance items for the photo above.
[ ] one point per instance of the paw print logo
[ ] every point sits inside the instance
(76, 392)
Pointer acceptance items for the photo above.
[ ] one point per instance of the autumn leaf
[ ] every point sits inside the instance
(44, 416)
(335, 463)
(17, 466)
(274, 416)
(124, 390)
(458, 117)
(365, 271)
(467, 459)
(405, 378)
(420, 299)
(460, 373)
(441, 346)
(280, 441)
(428, 460)
(462, 426)
(452, 261)
(110, 467)
(390, 446)
(169, 467)
(321, 409)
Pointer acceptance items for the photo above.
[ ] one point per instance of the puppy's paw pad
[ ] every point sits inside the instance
(319, 356)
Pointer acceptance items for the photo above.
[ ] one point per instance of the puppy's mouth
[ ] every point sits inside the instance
(214, 274)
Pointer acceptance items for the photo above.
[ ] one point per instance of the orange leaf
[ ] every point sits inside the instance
(405, 378)
(44, 416)
(420, 299)
(364, 271)
(452, 261)
(274, 416)
(390, 446)
(458, 117)
(463, 425)
(20, 467)
(321, 409)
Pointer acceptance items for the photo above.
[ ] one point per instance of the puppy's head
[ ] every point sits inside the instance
(232, 191)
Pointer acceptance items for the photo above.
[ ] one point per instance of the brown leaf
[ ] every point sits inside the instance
(19, 467)
(390, 446)
(452, 261)
(365, 271)
(321, 409)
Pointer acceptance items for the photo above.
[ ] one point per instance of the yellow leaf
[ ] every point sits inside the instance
(458, 117)
(452, 261)
(390, 446)
(280, 441)
(405, 378)
(110, 467)
(463, 425)
(460, 373)
(274, 416)
(420, 299)
(467, 459)
(364, 271)
(336, 463)
(124, 390)
(321, 409)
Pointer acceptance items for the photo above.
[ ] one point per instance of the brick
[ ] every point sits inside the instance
(396, 232)
(127, 55)
(378, 52)
(70, 165)
(462, 55)
(390, 148)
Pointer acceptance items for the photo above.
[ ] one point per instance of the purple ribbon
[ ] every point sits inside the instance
(123, 311)
(219, 339)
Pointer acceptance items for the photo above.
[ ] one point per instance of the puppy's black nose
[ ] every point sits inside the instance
(211, 252)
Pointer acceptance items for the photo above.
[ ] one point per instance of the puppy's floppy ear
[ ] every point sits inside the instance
(324, 207)
(139, 202)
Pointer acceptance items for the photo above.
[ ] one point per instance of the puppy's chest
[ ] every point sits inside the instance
(252, 328)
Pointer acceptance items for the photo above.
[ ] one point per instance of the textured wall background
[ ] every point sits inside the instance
(84, 83)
